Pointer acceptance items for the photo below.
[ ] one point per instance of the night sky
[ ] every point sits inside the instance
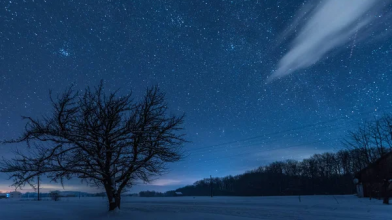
(259, 80)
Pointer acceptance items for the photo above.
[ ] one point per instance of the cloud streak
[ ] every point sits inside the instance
(301, 153)
(172, 182)
(165, 182)
(331, 23)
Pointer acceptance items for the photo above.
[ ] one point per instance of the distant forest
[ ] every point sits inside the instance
(327, 173)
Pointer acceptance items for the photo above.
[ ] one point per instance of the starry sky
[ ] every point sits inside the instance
(259, 80)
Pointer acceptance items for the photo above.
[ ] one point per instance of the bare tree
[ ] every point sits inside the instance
(370, 141)
(108, 141)
(361, 140)
(386, 124)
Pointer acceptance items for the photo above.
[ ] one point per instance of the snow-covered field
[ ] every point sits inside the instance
(232, 208)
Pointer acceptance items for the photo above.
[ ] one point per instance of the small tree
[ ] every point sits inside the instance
(55, 195)
(108, 141)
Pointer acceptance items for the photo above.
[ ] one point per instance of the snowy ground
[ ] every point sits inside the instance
(231, 208)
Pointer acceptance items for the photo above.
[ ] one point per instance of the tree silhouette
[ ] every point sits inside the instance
(108, 141)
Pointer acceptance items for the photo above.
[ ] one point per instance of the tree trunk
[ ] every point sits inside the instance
(386, 192)
(115, 203)
(386, 199)
(114, 198)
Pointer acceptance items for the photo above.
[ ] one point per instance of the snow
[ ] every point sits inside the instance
(231, 208)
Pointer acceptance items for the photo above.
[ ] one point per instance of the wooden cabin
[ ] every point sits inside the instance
(370, 181)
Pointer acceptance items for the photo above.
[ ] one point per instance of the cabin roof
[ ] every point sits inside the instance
(374, 163)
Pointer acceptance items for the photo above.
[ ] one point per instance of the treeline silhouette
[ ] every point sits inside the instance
(327, 173)
(148, 193)
(151, 194)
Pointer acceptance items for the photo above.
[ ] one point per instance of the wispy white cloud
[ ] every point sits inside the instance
(326, 25)
(45, 188)
(165, 182)
(295, 153)
(172, 182)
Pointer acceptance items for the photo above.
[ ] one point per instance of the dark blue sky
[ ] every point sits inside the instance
(212, 58)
